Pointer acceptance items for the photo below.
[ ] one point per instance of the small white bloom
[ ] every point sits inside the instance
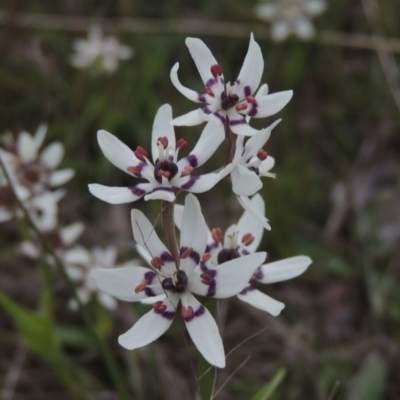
(98, 52)
(166, 284)
(227, 102)
(291, 16)
(168, 174)
(241, 240)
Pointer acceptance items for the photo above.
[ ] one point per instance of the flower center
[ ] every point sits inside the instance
(228, 99)
(7, 198)
(31, 172)
(227, 255)
(167, 169)
(177, 283)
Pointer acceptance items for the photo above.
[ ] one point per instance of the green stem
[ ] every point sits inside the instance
(167, 216)
(112, 367)
(228, 142)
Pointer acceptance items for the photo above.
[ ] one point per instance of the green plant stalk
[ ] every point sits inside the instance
(108, 359)
(167, 216)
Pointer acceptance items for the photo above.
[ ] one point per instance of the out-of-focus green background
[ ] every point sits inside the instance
(336, 196)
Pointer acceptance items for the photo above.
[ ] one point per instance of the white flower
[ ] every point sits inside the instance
(80, 263)
(225, 101)
(101, 53)
(166, 284)
(291, 16)
(31, 168)
(241, 240)
(167, 175)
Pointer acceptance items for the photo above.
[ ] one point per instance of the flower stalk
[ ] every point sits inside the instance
(167, 216)
(228, 142)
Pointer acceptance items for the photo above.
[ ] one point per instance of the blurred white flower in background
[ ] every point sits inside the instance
(290, 17)
(102, 53)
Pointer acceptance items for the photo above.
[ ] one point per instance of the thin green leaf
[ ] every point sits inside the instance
(268, 390)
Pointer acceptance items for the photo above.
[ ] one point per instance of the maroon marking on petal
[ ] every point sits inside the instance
(166, 257)
(190, 182)
(157, 262)
(164, 141)
(241, 107)
(187, 313)
(247, 91)
(201, 97)
(219, 116)
(247, 289)
(245, 252)
(160, 306)
(169, 315)
(209, 92)
(185, 252)
(258, 275)
(149, 292)
(212, 289)
(216, 70)
(248, 239)
(206, 110)
(233, 122)
(192, 159)
(149, 276)
(203, 266)
(211, 82)
(200, 311)
(137, 191)
(254, 110)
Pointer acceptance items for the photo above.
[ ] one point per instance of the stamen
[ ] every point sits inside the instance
(134, 170)
(159, 306)
(157, 262)
(181, 144)
(206, 256)
(142, 285)
(187, 170)
(209, 91)
(187, 313)
(164, 141)
(248, 239)
(140, 153)
(241, 107)
(250, 99)
(187, 253)
(262, 154)
(217, 235)
(205, 278)
(233, 240)
(216, 70)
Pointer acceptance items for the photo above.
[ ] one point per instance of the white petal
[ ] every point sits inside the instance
(107, 301)
(154, 299)
(261, 301)
(249, 224)
(258, 141)
(121, 282)
(192, 118)
(150, 327)
(27, 149)
(161, 193)
(265, 12)
(244, 181)
(211, 137)
(266, 165)
(70, 233)
(178, 215)
(243, 128)
(246, 204)
(250, 75)
(5, 215)
(119, 195)
(58, 178)
(145, 234)
(117, 152)
(52, 154)
(304, 28)
(272, 103)
(162, 127)
(40, 135)
(315, 7)
(28, 249)
(202, 57)
(188, 93)
(262, 91)
(77, 255)
(229, 278)
(193, 234)
(204, 332)
(280, 30)
(283, 270)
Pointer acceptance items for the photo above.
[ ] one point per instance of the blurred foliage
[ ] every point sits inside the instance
(335, 198)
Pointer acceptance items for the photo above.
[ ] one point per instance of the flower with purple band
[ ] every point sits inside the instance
(167, 175)
(166, 284)
(225, 102)
(241, 240)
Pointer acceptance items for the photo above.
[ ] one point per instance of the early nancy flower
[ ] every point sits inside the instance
(166, 284)
(291, 16)
(166, 175)
(102, 53)
(226, 102)
(239, 241)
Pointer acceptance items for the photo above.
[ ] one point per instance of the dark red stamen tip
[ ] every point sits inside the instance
(159, 306)
(157, 262)
(216, 70)
(164, 141)
(141, 153)
(248, 239)
(262, 154)
(134, 170)
(181, 144)
(187, 252)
